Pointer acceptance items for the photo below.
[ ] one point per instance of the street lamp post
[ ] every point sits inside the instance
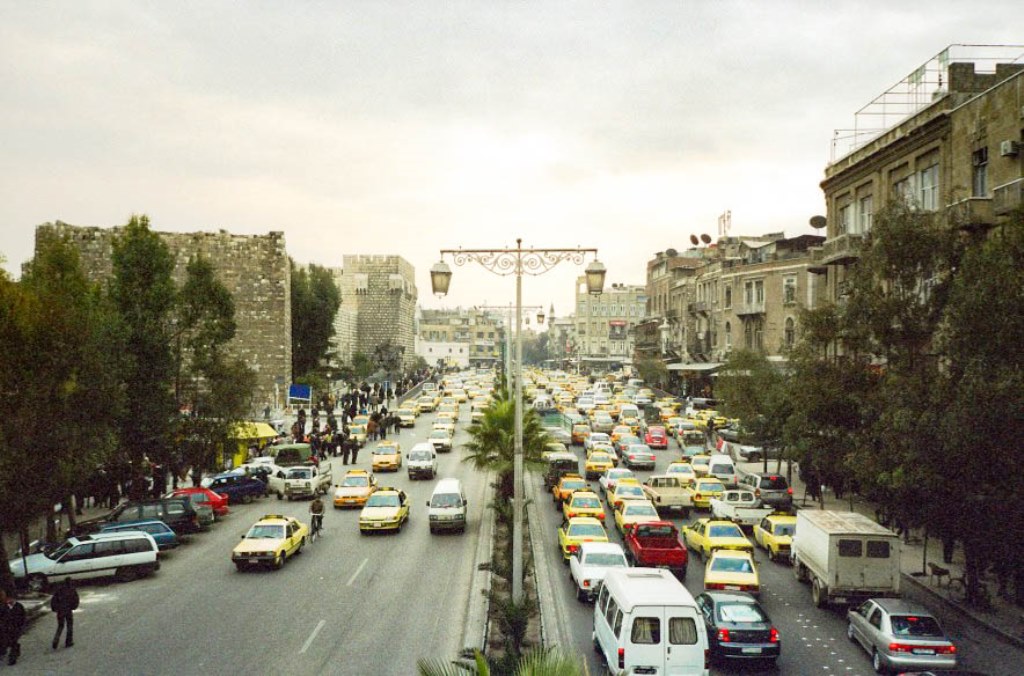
(517, 261)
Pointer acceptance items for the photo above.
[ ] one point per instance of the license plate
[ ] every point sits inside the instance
(840, 599)
(732, 587)
(923, 651)
(751, 651)
(254, 561)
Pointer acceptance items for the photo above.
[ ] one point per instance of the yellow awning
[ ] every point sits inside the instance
(253, 430)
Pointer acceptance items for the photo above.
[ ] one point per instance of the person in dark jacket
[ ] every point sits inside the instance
(12, 624)
(64, 602)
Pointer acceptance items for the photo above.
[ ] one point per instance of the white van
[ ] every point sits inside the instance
(447, 507)
(646, 622)
(723, 468)
(125, 555)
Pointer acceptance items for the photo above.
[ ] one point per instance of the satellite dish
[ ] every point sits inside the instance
(694, 240)
(671, 253)
(706, 238)
(818, 222)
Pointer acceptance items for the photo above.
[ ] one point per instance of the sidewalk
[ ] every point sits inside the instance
(1002, 618)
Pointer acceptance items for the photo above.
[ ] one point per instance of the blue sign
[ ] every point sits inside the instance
(303, 392)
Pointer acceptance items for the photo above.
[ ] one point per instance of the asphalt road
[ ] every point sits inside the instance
(813, 641)
(349, 604)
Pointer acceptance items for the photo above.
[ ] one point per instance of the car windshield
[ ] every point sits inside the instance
(915, 626)
(728, 564)
(299, 474)
(438, 434)
(586, 530)
(721, 469)
(265, 531)
(680, 469)
(386, 450)
(59, 552)
(356, 481)
(740, 613)
(699, 462)
(419, 455)
(382, 500)
(628, 490)
(585, 503)
(774, 483)
(784, 529)
(710, 488)
(606, 559)
(600, 457)
(725, 530)
(639, 449)
(446, 500)
(640, 510)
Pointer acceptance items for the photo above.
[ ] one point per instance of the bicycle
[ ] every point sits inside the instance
(316, 527)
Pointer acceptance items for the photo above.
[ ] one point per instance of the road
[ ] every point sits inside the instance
(813, 641)
(349, 604)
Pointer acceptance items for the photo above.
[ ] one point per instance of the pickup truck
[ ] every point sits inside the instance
(656, 545)
(668, 491)
(739, 506)
(307, 480)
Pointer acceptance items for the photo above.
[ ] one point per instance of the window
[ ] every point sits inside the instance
(109, 548)
(79, 553)
(928, 188)
(728, 297)
(850, 548)
(845, 219)
(878, 549)
(979, 175)
(609, 614)
(789, 290)
(617, 625)
(759, 291)
(728, 336)
(646, 630)
(865, 214)
(748, 293)
(790, 332)
(902, 190)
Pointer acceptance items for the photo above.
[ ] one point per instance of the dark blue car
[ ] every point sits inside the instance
(164, 536)
(238, 487)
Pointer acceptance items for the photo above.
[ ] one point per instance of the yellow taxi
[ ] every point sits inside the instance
(629, 513)
(626, 489)
(387, 455)
(573, 532)
(553, 447)
(407, 417)
(620, 431)
(566, 486)
(363, 420)
(386, 509)
(443, 422)
(357, 433)
(354, 489)
(583, 503)
(425, 404)
(579, 434)
(728, 570)
(705, 536)
(270, 542)
(703, 489)
(775, 534)
(700, 464)
(460, 396)
(598, 462)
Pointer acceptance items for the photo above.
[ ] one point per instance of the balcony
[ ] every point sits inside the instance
(1007, 197)
(842, 249)
(816, 266)
(755, 308)
(700, 307)
(972, 213)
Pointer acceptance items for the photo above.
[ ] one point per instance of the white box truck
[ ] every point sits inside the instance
(845, 556)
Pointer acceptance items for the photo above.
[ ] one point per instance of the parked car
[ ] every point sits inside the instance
(901, 635)
(162, 534)
(217, 502)
(124, 555)
(238, 487)
(178, 513)
(771, 489)
(738, 627)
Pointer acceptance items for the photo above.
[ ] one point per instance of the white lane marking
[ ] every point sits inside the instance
(356, 574)
(309, 641)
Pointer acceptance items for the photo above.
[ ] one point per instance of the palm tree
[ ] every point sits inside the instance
(492, 444)
(539, 662)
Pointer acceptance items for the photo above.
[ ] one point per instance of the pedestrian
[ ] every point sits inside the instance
(355, 450)
(12, 624)
(64, 602)
(345, 447)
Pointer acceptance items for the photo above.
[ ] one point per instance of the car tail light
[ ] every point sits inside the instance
(773, 635)
(945, 649)
(696, 496)
(622, 658)
(586, 584)
(601, 516)
(789, 490)
(573, 548)
(757, 492)
(723, 635)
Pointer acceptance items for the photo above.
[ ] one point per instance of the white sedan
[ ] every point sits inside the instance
(609, 478)
(596, 438)
(590, 562)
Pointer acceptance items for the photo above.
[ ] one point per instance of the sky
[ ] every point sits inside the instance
(400, 127)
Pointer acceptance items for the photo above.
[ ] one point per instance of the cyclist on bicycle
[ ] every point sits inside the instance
(316, 514)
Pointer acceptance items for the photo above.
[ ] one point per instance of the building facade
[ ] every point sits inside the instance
(380, 291)
(468, 337)
(254, 268)
(604, 323)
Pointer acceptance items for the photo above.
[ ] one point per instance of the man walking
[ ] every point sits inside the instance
(12, 624)
(64, 602)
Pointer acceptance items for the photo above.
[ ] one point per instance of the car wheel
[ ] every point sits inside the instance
(581, 595)
(278, 563)
(126, 574)
(818, 594)
(280, 495)
(37, 583)
(849, 632)
(239, 566)
(247, 499)
(876, 663)
(771, 554)
(799, 571)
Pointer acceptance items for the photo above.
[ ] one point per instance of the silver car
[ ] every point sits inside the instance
(900, 635)
(637, 456)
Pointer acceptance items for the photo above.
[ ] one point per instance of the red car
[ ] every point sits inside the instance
(217, 502)
(656, 437)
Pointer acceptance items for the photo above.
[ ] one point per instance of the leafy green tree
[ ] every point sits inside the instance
(758, 394)
(537, 662)
(492, 443)
(652, 371)
(315, 300)
(143, 292)
(60, 391)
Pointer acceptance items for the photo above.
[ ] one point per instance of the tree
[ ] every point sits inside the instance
(60, 391)
(652, 371)
(143, 292)
(492, 443)
(315, 300)
(758, 394)
(537, 662)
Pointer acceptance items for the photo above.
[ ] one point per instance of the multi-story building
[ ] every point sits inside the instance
(605, 322)
(459, 337)
(381, 291)
(954, 149)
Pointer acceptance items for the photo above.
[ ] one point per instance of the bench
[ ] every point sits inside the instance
(937, 572)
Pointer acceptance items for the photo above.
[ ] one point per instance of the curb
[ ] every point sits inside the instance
(474, 633)
(546, 608)
(964, 611)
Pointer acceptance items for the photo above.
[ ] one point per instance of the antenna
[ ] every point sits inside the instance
(725, 223)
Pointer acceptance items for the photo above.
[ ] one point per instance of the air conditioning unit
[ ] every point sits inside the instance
(1009, 148)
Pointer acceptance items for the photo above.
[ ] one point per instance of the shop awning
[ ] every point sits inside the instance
(695, 366)
(253, 430)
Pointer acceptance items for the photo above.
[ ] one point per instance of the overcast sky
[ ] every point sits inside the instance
(392, 127)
